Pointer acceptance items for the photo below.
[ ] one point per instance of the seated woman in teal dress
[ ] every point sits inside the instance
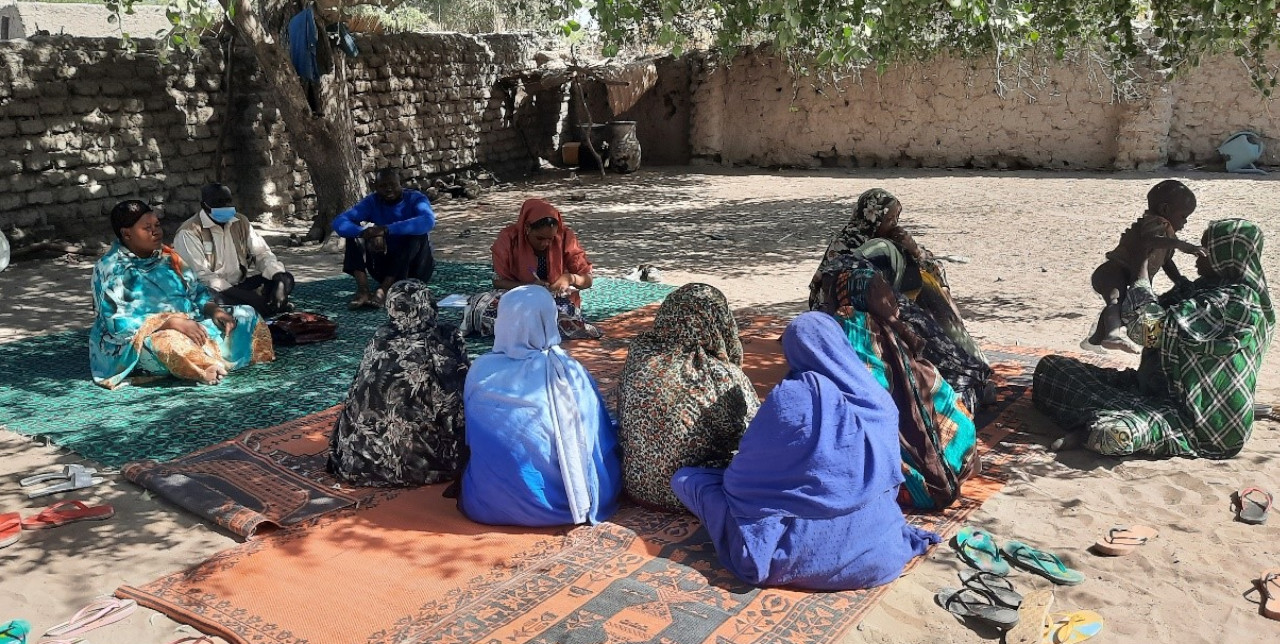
(544, 450)
(151, 313)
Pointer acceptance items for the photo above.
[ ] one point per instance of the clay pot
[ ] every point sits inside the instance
(624, 147)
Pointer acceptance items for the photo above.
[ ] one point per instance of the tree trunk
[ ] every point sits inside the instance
(325, 143)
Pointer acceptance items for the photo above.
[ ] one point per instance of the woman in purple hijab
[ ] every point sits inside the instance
(810, 500)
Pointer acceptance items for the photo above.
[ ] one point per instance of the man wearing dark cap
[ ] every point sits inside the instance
(230, 257)
(388, 239)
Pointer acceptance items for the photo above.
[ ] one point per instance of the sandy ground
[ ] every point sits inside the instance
(1029, 242)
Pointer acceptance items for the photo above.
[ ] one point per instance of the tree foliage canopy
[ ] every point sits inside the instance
(1168, 35)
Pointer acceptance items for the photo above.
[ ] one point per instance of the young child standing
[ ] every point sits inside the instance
(1146, 247)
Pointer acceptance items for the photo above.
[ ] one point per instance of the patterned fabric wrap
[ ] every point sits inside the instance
(936, 432)
(684, 398)
(402, 423)
(845, 283)
(922, 279)
(481, 312)
(1209, 341)
(871, 209)
(810, 500)
(134, 296)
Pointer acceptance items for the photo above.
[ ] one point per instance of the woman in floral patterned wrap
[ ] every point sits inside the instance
(874, 235)
(403, 423)
(685, 400)
(1192, 394)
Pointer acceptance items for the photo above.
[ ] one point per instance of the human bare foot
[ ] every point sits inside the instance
(1120, 343)
(360, 301)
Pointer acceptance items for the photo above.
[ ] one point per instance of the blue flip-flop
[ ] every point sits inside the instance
(1045, 564)
(979, 549)
(15, 632)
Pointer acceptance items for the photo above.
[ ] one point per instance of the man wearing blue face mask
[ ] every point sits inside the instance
(230, 257)
(388, 239)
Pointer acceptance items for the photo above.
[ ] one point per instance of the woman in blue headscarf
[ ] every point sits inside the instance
(543, 447)
(810, 500)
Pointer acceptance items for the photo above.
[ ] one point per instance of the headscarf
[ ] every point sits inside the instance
(1212, 343)
(529, 397)
(825, 441)
(852, 243)
(513, 256)
(870, 211)
(685, 400)
(409, 307)
(402, 423)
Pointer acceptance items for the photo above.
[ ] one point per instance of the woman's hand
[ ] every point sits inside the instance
(188, 327)
(882, 302)
(915, 344)
(223, 320)
(561, 284)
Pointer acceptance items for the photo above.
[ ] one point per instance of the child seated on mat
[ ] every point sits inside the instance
(1145, 247)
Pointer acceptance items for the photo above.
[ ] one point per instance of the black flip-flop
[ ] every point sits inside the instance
(1000, 589)
(1253, 504)
(977, 605)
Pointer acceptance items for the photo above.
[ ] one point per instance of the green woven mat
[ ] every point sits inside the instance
(45, 388)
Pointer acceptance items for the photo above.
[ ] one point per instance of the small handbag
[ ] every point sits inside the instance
(301, 328)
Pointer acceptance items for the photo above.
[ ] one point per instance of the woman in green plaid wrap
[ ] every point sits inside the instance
(1203, 344)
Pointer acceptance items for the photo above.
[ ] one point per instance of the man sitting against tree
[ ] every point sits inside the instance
(388, 239)
(230, 257)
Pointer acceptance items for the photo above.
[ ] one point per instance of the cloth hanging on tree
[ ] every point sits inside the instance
(302, 45)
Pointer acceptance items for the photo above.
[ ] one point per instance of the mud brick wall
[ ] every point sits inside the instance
(85, 123)
(748, 109)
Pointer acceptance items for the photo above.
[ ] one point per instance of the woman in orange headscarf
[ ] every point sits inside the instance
(538, 249)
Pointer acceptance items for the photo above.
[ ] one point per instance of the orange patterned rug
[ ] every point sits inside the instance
(407, 567)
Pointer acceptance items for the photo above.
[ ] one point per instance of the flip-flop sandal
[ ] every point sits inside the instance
(1122, 540)
(1045, 564)
(66, 512)
(10, 528)
(1252, 504)
(15, 631)
(99, 612)
(978, 549)
(1072, 628)
(1033, 618)
(998, 587)
(976, 605)
(1269, 584)
(72, 477)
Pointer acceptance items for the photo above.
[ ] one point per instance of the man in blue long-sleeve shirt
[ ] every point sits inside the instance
(388, 238)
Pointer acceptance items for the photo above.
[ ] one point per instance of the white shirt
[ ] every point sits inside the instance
(230, 269)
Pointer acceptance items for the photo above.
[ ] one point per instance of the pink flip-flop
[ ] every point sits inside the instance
(65, 512)
(99, 612)
(10, 528)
